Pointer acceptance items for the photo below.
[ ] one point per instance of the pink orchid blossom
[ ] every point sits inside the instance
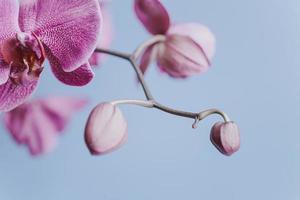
(64, 32)
(106, 35)
(106, 129)
(225, 137)
(187, 49)
(38, 123)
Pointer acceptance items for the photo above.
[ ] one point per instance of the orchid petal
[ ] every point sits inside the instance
(13, 95)
(61, 109)
(9, 18)
(69, 29)
(200, 34)
(153, 15)
(79, 77)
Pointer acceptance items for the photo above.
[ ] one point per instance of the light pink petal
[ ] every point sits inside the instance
(106, 129)
(79, 77)
(29, 126)
(8, 18)
(13, 95)
(200, 34)
(60, 109)
(69, 29)
(230, 137)
(153, 15)
(180, 57)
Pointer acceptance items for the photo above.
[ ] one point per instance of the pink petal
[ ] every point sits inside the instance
(153, 15)
(8, 18)
(37, 123)
(61, 109)
(29, 126)
(147, 58)
(188, 50)
(225, 137)
(180, 57)
(200, 34)
(79, 77)
(106, 129)
(13, 95)
(69, 29)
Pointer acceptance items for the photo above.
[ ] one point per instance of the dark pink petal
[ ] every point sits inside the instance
(79, 77)
(8, 18)
(153, 15)
(69, 29)
(225, 136)
(12, 95)
(61, 109)
(106, 129)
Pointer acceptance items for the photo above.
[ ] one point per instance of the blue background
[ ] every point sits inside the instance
(254, 78)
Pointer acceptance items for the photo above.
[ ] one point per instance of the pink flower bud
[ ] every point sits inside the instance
(106, 129)
(188, 49)
(225, 137)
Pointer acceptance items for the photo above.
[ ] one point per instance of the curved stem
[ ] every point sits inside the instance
(151, 103)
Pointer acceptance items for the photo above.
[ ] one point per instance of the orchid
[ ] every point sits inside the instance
(67, 34)
(38, 123)
(181, 50)
(64, 32)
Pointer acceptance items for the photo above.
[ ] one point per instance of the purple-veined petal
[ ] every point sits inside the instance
(79, 77)
(61, 109)
(13, 95)
(69, 29)
(153, 15)
(8, 18)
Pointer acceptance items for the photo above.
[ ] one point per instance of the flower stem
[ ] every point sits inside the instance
(151, 102)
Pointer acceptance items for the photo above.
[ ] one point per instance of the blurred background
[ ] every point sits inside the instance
(255, 78)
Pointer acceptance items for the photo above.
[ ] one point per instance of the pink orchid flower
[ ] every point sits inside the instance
(105, 36)
(225, 136)
(187, 49)
(64, 32)
(38, 123)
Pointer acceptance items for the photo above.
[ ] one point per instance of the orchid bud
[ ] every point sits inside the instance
(188, 50)
(106, 129)
(225, 137)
